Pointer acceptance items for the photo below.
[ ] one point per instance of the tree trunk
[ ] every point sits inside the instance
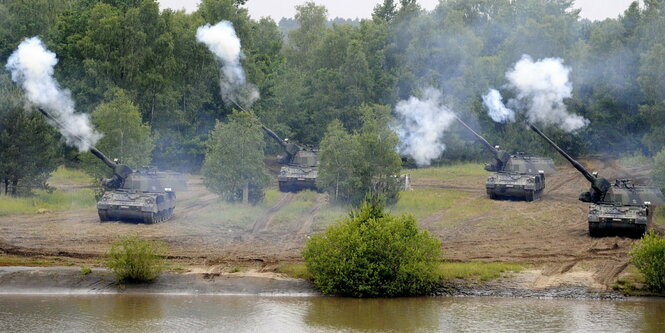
(14, 186)
(245, 193)
(6, 186)
(336, 186)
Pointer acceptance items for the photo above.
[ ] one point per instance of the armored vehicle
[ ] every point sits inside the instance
(516, 176)
(619, 208)
(131, 195)
(302, 165)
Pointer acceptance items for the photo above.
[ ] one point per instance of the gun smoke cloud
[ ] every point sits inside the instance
(422, 125)
(541, 88)
(496, 109)
(222, 41)
(32, 66)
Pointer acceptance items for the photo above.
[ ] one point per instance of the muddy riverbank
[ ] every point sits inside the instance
(70, 280)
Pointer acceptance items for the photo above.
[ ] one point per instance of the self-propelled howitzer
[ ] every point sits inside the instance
(130, 195)
(302, 165)
(516, 176)
(619, 208)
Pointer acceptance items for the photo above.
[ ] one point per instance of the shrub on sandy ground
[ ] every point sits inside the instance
(648, 255)
(136, 260)
(371, 254)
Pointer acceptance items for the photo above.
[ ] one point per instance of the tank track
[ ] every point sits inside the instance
(597, 231)
(152, 218)
(148, 218)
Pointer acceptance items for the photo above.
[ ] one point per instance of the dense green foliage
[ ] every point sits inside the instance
(126, 137)
(371, 254)
(648, 255)
(136, 260)
(233, 166)
(29, 149)
(355, 165)
(322, 71)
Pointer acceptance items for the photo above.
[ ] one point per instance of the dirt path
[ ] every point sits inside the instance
(264, 221)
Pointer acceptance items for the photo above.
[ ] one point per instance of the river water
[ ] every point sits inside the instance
(174, 313)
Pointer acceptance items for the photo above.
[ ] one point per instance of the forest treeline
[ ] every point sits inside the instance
(131, 54)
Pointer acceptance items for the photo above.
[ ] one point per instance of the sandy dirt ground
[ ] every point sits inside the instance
(550, 234)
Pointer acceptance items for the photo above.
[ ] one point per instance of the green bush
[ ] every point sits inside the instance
(372, 253)
(648, 255)
(85, 270)
(136, 260)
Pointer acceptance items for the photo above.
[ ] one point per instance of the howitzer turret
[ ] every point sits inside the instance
(289, 148)
(599, 185)
(514, 176)
(301, 169)
(135, 195)
(501, 157)
(619, 208)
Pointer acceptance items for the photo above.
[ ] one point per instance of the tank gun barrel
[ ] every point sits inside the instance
(289, 148)
(93, 150)
(479, 137)
(274, 136)
(575, 164)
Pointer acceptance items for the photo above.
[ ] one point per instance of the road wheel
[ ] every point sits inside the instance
(103, 215)
(529, 196)
(639, 231)
(595, 230)
(149, 218)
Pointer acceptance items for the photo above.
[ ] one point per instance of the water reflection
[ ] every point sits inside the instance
(139, 313)
(136, 308)
(405, 314)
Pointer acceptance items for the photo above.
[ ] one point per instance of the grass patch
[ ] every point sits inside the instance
(303, 202)
(43, 201)
(420, 203)
(423, 202)
(476, 270)
(271, 197)
(631, 281)
(635, 159)
(230, 215)
(12, 260)
(449, 171)
(296, 271)
(328, 215)
(659, 216)
(64, 175)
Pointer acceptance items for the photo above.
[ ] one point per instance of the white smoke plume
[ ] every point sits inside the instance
(496, 109)
(422, 125)
(31, 66)
(541, 88)
(222, 41)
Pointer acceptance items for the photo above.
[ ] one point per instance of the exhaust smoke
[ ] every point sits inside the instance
(540, 88)
(422, 124)
(31, 66)
(222, 41)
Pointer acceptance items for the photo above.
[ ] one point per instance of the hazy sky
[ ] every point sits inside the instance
(591, 9)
